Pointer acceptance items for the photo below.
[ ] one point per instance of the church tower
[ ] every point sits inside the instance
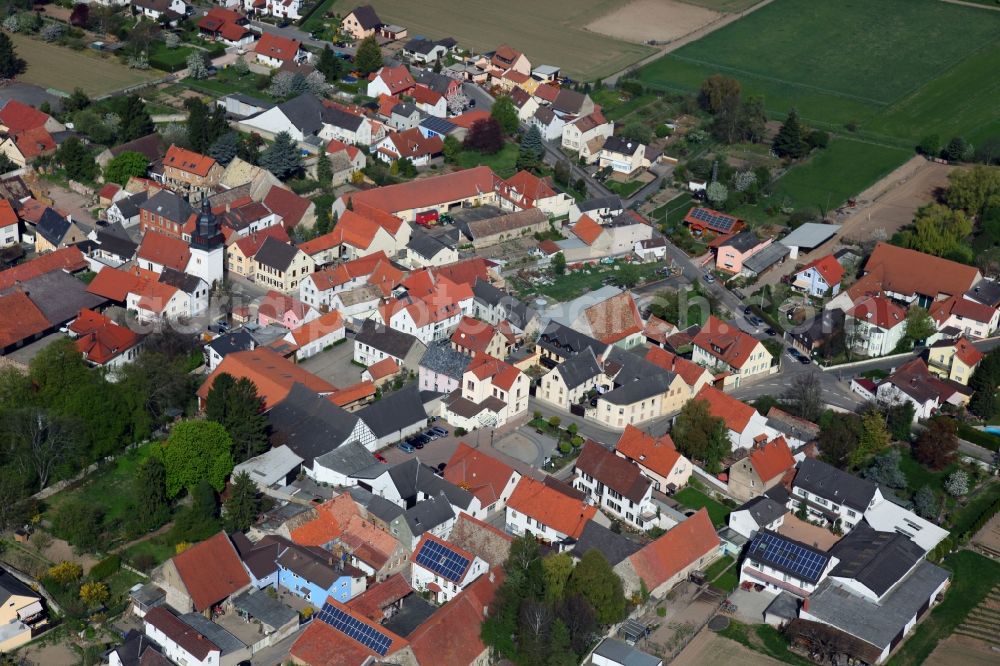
(207, 247)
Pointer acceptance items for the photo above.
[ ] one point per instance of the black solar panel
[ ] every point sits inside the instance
(373, 639)
(442, 560)
(718, 221)
(789, 556)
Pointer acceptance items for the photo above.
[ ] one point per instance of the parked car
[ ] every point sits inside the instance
(431, 433)
(406, 447)
(421, 440)
(747, 310)
(754, 320)
(441, 432)
(739, 294)
(381, 458)
(770, 331)
(804, 360)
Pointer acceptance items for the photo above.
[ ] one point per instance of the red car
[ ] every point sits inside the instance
(381, 458)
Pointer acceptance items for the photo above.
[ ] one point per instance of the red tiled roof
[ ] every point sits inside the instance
(736, 414)
(188, 161)
(384, 368)
(966, 353)
(689, 371)
(397, 79)
(290, 206)
(664, 558)
(655, 453)
(322, 645)
(100, 339)
(880, 311)
(426, 192)
(34, 142)
(164, 250)
(772, 459)
(7, 214)
(273, 374)
(354, 230)
(549, 247)
(473, 334)
(828, 267)
(336, 146)
(353, 393)
(550, 507)
(530, 185)
(109, 190)
(21, 319)
(64, 259)
(411, 143)
(941, 311)
(372, 544)
(614, 319)
(658, 329)
(249, 245)
(466, 272)
(725, 342)
(909, 272)
(501, 374)
(114, 284)
(587, 230)
(331, 518)
(452, 634)
(372, 601)
(18, 117)
(275, 305)
(482, 475)
(547, 93)
(279, 48)
(211, 571)
(322, 326)
(613, 471)
(469, 118)
(421, 94)
(181, 633)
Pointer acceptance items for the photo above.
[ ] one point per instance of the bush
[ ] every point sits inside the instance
(555, 421)
(564, 446)
(662, 131)
(661, 611)
(459, 432)
(106, 567)
(577, 442)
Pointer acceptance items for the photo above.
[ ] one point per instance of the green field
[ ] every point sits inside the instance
(893, 71)
(842, 170)
(61, 68)
(548, 32)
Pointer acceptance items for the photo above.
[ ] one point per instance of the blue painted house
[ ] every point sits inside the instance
(315, 574)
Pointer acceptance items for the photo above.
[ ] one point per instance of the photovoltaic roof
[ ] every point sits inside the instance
(444, 561)
(373, 639)
(713, 219)
(789, 556)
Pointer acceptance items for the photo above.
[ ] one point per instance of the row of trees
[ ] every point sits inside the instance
(548, 612)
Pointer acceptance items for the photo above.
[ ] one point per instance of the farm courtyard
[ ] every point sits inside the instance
(58, 67)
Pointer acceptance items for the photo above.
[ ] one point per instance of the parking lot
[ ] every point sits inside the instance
(334, 365)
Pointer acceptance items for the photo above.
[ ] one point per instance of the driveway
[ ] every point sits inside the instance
(69, 202)
(334, 365)
(527, 446)
(750, 605)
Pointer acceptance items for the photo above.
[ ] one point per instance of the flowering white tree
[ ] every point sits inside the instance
(957, 484)
(196, 66)
(744, 180)
(717, 193)
(457, 102)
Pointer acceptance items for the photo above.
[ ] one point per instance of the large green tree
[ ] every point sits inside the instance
(10, 64)
(368, 57)
(197, 451)
(940, 231)
(790, 141)
(919, 324)
(971, 189)
(716, 90)
(224, 149)
(594, 580)
(937, 444)
(532, 150)
(282, 157)
(505, 113)
(242, 507)
(701, 436)
(149, 487)
(76, 160)
(556, 568)
(329, 65)
(236, 405)
(838, 439)
(136, 121)
(198, 124)
(125, 166)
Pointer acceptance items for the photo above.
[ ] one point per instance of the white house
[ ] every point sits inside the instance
(768, 563)
(724, 347)
(744, 424)
(180, 642)
(546, 513)
(9, 225)
(832, 495)
(615, 485)
(585, 136)
(974, 320)
(289, 9)
(875, 326)
(492, 394)
(159, 9)
(314, 336)
(820, 277)
(442, 568)
(760, 513)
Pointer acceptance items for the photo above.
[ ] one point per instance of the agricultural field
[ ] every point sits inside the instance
(653, 20)
(546, 31)
(64, 69)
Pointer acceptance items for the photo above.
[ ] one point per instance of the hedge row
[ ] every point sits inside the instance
(106, 568)
(983, 439)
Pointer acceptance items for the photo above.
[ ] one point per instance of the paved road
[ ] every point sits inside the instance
(484, 101)
(556, 155)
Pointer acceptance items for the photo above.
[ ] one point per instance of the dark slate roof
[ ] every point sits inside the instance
(309, 424)
(116, 245)
(622, 653)
(877, 560)
(438, 125)
(579, 368)
(743, 241)
(59, 296)
(610, 202)
(442, 359)
(385, 339)
(134, 646)
(415, 611)
(827, 481)
(425, 245)
(614, 547)
(396, 411)
(259, 605)
(276, 254)
(766, 258)
(341, 118)
(225, 641)
(10, 586)
(785, 605)
(183, 281)
(439, 83)
(151, 146)
(565, 341)
(313, 564)
(305, 112)
(171, 206)
(763, 510)
(617, 144)
(383, 509)
(568, 101)
(427, 515)
(986, 292)
(347, 458)
(639, 389)
(411, 476)
(878, 624)
(404, 109)
(52, 226)
(366, 16)
(419, 45)
(234, 341)
(259, 558)
(518, 312)
(129, 206)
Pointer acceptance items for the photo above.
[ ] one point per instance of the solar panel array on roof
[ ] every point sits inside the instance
(802, 562)
(442, 560)
(723, 223)
(373, 639)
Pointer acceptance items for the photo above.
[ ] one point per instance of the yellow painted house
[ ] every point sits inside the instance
(954, 359)
(21, 610)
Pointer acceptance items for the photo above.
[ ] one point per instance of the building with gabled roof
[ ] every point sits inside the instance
(974, 320)
(955, 360)
(820, 277)
(272, 374)
(762, 469)
(693, 374)
(492, 394)
(615, 484)
(181, 643)
(104, 343)
(159, 251)
(546, 513)
(314, 336)
(875, 325)
(657, 458)
(443, 569)
(274, 50)
(339, 636)
(188, 171)
(481, 539)
(724, 347)
(204, 575)
(472, 337)
(489, 479)
(688, 546)
(744, 424)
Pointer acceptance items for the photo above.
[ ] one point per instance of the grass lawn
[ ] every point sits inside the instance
(695, 499)
(317, 19)
(546, 31)
(154, 549)
(723, 575)
(673, 211)
(964, 518)
(984, 439)
(918, 476)
(833, 175)
(572, 284)
(723, 5)
(160, 54)
(765, 639)
(61, 68)
(624, 189)
(974, 577)
(228, 81)
(504, 163)
(616, 104)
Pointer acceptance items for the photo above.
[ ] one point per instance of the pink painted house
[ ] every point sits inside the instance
(282, 309)
(731, 252)
(441, 368)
